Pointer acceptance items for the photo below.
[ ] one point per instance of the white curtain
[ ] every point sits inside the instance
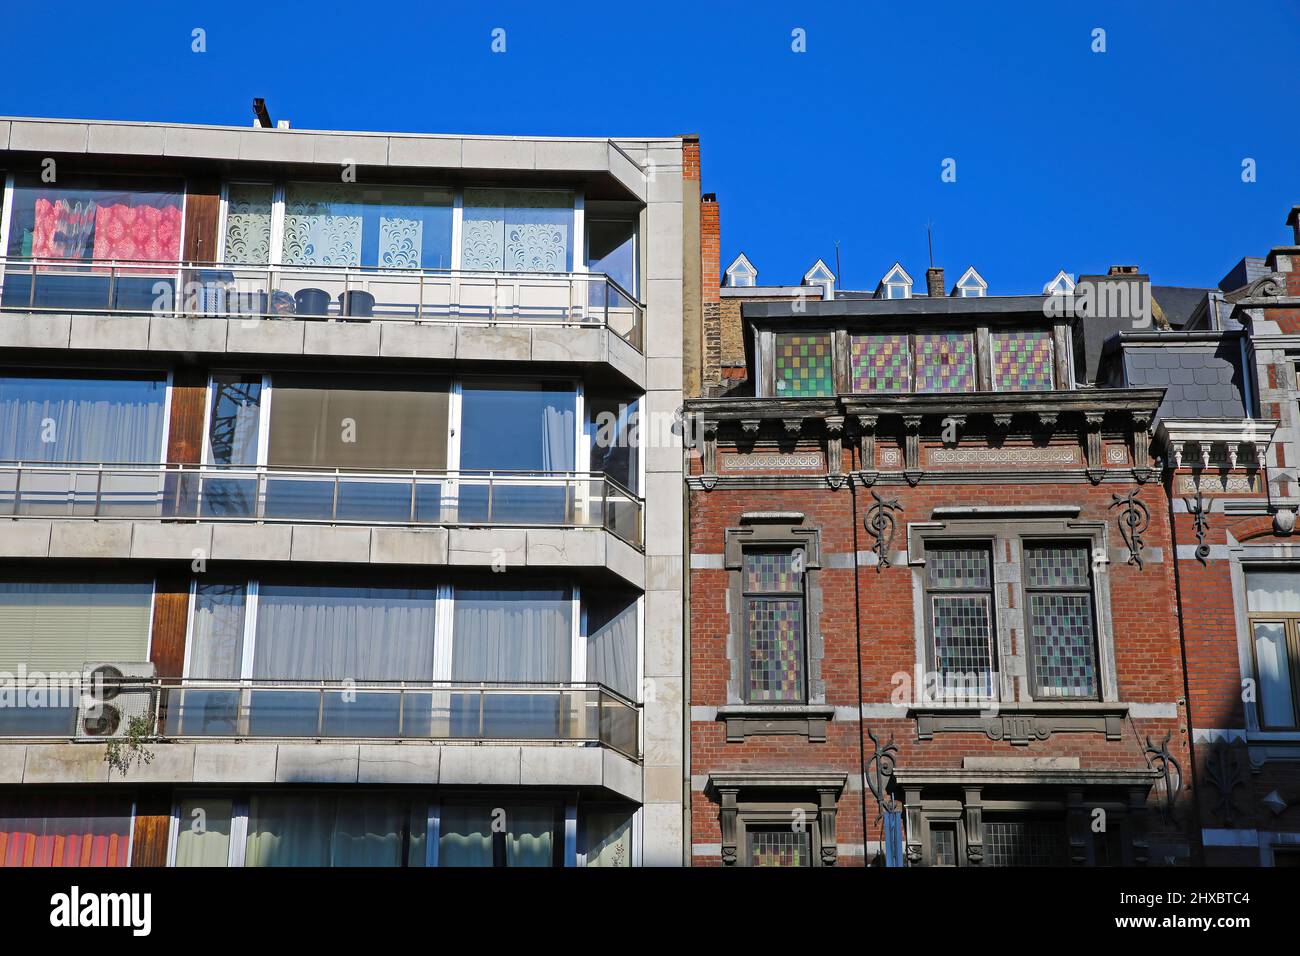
(81, 420)
(322, 226)
(512, 635)
(320, 633)
(558, 441)
(1273, 592)
(203, 836)
(217, 647)
(608, 837)
(325, 830)
(611, 641)
(466, 834)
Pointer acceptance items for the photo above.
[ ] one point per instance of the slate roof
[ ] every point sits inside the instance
(1202, 378)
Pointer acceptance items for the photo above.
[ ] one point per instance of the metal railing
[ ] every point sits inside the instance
(384, 710)
(344, 293)
(240, 493)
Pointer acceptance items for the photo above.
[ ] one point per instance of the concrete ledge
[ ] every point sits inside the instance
(234, 763)
(65, 763)
(388, 764)
(145, 539)
(167, 335)
(317, 763)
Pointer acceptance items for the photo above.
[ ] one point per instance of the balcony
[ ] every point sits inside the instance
(321, 293)
(577, 713)
(221, 493)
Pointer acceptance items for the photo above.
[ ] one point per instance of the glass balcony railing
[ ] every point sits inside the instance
(351, 294)
(258, 494)
(274, 709)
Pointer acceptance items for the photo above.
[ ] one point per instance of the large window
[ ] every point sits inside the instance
(342, 224)
(514, 834)
(53, 417)
(895, 362)
(959, 603)
(774, 626)
(804, 365)
(1022, 360)
(103, 218)
(52, 629)
(1062, 636)
(42, 829)
(611, 249)
(1273, 603)
(517, 230)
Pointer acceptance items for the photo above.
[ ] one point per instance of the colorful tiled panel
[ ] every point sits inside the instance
(962, 653)
(958, 568)
(775, 628)
(1056, 566)
(766, 572)
(945, 362)
(880, 363)
(1062, 660)
(1024, 843)
(1022, 361)
(804, 366)
(779, 847)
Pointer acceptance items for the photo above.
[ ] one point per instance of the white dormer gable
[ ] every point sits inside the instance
(1063, 284)
(971, 285)
(896, 284)
(820, 274)
(741, 272)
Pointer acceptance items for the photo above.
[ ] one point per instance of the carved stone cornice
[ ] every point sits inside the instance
(1019, 724)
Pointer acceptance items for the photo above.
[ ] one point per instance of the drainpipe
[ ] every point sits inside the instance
(857, 646)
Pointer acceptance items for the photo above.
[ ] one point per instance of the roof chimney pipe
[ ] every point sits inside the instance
(263, 117)
(934, 281)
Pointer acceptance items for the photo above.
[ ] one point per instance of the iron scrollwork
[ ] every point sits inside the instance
(880, 771)
(1134, 519)
(1200, 517)
(880, 525)
(1171, 772)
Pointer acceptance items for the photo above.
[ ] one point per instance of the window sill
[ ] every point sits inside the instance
(1019, 723)
(768, 720)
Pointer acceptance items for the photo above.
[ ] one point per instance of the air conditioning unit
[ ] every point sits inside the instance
(115, 692)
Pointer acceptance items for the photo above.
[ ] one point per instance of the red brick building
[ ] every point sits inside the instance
(933, 614)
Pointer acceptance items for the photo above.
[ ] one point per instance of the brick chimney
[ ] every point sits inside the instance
(934, 281)
(710, 247)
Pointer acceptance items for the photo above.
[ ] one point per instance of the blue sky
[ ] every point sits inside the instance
(1065, 158)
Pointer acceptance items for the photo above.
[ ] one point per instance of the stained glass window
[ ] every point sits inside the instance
(881, 363)
(1024, 842)
(960, 582)
(945, 362)
(1022, 361)
(779, 846)
(1062, 646)
(774, 624)
(804, 366)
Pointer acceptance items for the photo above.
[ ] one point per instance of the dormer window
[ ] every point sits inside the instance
(741, 273)
(820, 274)
(971, 285)
(896, 284)
(1063, 284)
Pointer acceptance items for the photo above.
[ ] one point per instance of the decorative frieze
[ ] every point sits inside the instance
(773, 461)
(1020, 725)
(1052, 455)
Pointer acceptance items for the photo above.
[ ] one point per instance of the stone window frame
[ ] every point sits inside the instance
(773, 799)
(1011, 622)
(770, 531)
(1241, 560)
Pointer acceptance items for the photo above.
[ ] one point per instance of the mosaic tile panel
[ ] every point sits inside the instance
(804, 366)
(945, 362)
(1022, 361)
(1024, 843)
(1061, 648)
(1056, 566)
(767, 572)
(965, 569)
(960, 625)
(880, 363)
(783, 847)
(775, 628)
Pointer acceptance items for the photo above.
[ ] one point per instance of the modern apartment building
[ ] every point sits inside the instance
(933, 616)
(327, 535)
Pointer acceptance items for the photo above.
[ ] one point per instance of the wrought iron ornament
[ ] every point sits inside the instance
(881, 526)
(880, 770)
(1200, 515)
(1166, 764)
(1224, 770)
(1134, 519)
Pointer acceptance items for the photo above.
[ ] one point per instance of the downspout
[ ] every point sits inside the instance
(857, 646)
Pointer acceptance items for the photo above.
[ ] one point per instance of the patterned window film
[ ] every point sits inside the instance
(959, 582)
(1062, 640)
(804, 366)
(881, 363)
(945, 362)
(774, 626)
(1024, 842)
(1022, 361)
(779, 846)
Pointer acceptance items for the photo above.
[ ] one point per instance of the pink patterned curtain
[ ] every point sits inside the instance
(64, 831)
